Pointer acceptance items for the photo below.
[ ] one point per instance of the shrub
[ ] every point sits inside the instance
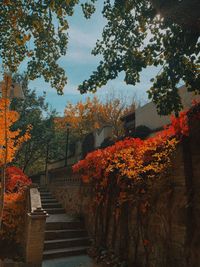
(14, 205)
(13, 217)
(16, 180)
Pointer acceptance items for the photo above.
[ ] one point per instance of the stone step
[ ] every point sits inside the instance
(55, 210)
(60, 234)
(49, 200)
(59, 253)
(64, 225)
(66, 243)
(46, 194)
(43, 190)
(51, 205)
(64, 237)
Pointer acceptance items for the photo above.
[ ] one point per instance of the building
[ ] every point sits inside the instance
(129, 123)
(148, 116)
(15, 91)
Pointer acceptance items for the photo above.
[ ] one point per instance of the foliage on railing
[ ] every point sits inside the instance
(14, 210)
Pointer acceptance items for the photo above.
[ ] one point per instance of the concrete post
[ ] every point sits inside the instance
(35, 230)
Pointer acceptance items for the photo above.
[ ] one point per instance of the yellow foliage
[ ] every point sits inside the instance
(85, 117)
(10, 139)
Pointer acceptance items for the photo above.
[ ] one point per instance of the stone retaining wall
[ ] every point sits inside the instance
(173, 224)
(76, 200)
(10, 263)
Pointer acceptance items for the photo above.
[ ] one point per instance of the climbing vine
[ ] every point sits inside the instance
(122, 177)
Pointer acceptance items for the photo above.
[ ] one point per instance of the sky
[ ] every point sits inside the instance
(79, 64)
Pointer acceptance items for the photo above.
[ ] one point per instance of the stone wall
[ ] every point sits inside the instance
(10, 263)
(169, 234)
(76, 199)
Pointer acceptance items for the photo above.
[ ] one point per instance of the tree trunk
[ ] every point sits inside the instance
(2, 194)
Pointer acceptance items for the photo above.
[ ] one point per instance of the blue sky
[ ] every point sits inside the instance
(79, 64)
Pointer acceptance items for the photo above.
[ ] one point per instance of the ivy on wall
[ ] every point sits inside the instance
(123, 175)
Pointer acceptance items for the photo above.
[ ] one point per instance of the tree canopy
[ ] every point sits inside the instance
(184, 13)
(37, 31)
(136, 37)
(85, 117)
(33, 111)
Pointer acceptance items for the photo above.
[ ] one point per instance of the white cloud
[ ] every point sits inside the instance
(82, 39)
(80, 46)
(81, 56)
(71, 89)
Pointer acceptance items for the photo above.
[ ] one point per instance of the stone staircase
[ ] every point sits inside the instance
(64, 235)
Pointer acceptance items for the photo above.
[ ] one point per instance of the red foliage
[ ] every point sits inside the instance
(180, 124)
(125, 172)
(133, 159)
(14, 209)
(100, 159)
(16, 180)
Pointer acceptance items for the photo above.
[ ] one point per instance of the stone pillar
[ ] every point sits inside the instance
(35, 232)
